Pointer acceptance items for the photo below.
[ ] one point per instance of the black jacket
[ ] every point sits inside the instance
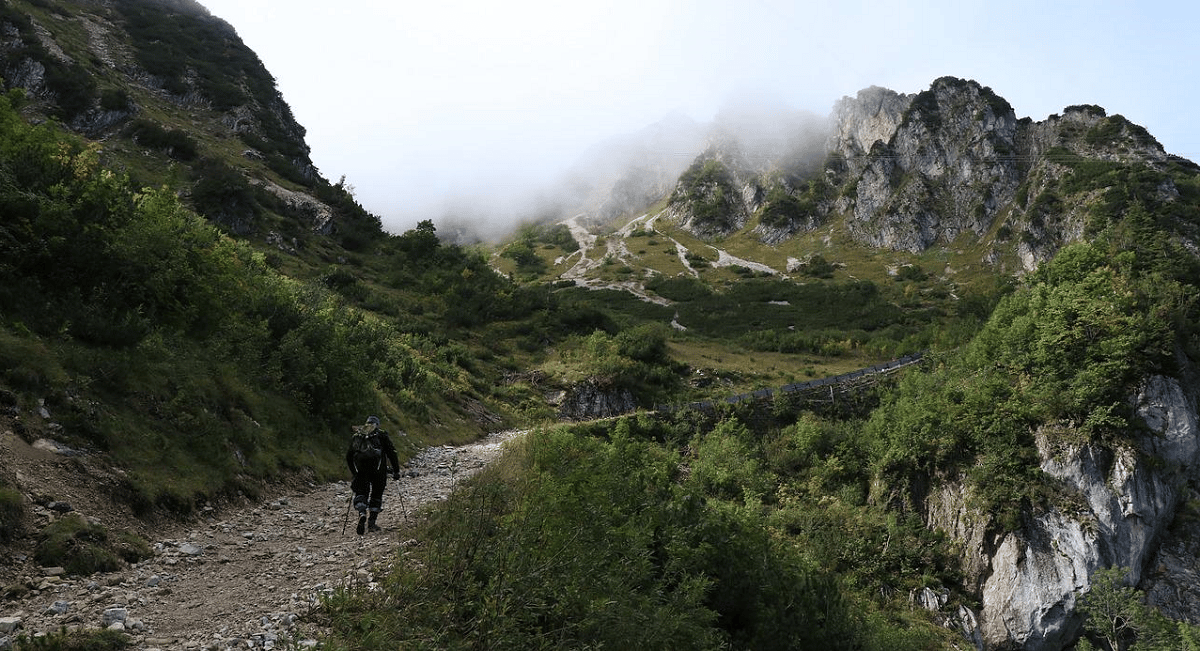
(389, 455)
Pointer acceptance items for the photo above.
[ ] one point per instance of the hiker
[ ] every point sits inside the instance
(370, 452)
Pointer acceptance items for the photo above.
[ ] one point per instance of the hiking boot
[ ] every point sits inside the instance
(373, 527)
(362, 522)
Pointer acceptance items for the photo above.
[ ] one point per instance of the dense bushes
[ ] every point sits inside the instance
(1066, 352)
(175, 142)
(575, 541)
(523, 250)
(635, 359)
(559, 235)
(205, 355)
(783, 209)
(827, 318)
(1116, 617)
(223, 195)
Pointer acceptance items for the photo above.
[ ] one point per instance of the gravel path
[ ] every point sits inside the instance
(241, 579)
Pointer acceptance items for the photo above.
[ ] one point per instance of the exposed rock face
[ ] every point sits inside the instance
(871, 117)
(225, 84)
(909, 172)
(319, 215)
(1172, 581)
(1172, 578)
(589, 401)
(930, 166)
(1119, 506)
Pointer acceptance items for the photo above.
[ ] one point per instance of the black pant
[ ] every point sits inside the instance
(368, 490)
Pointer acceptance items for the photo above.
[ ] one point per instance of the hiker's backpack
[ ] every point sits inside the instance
(365, 446)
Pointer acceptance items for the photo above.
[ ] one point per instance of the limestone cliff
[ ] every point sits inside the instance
(922, 170)
(1117, 506)
(945, 169)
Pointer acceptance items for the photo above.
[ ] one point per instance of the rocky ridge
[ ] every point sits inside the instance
(907, 172)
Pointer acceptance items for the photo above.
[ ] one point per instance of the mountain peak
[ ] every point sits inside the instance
(907, 172)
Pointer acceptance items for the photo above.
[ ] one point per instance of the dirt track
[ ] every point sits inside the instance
(240, 578)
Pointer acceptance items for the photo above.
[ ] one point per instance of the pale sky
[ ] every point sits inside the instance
(419, 103)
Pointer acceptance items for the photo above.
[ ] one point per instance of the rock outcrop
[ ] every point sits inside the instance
(588, 401)
(908, 172)
(712, 199)
(921, 170)
(1116, 509)
(944, 170)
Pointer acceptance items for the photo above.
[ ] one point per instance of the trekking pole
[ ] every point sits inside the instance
(346, 520)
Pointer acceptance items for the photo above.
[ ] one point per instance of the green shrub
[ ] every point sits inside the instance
(679, 288)
(82, 640)
(176, 143)
(911, 272)
(709, 192)
(727, 467)
(817, 267)
(77, 546)
(1115, 613)
(223, 194)
(131, 547)
(574, 541)
(783, 209)
(12, 514)
(559, 235)
(116, 99)
(522, 252)
(635, 359)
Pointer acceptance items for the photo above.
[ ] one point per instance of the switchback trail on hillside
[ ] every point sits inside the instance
(242, 578)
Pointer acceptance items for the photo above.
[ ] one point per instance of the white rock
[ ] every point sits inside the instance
(114, 615)
(1030, 581)
(191, 549)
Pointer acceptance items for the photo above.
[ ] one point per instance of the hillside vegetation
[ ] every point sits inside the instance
(801, 531)
(185, 299)
(189, 359)
(180, 352)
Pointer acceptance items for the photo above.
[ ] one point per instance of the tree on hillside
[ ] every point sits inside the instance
(1111, 609)
(420, 243)
(1115, 614)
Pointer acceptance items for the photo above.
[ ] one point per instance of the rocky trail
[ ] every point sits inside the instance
(236, 579)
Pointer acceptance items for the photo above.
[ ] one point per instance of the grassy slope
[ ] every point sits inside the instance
(728, 328)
